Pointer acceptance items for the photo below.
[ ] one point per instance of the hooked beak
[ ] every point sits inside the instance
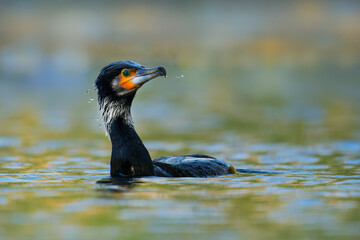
(146, 74)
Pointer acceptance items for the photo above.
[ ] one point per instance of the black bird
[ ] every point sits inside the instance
(117, 85)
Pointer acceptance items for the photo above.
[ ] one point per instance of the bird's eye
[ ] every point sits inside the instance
(125, 72)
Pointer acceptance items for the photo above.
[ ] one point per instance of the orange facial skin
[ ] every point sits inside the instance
(125, 81)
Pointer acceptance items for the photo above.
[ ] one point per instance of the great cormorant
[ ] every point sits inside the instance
(117, 85)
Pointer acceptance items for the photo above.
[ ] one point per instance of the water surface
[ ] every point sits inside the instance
(49, 189)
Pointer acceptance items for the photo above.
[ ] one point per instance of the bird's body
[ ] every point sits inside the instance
(192, 165)
(117, 85)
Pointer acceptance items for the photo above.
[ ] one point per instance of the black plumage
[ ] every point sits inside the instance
(117, 85)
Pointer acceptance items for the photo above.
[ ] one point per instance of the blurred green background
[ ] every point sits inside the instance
(280, 71)
(264, 85)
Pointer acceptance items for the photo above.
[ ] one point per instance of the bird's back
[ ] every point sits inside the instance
(194, 165)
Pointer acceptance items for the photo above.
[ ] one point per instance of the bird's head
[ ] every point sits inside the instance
(122, 78)
(117, 84)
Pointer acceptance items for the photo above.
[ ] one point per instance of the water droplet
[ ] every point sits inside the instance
(90, 100)
(179, 76)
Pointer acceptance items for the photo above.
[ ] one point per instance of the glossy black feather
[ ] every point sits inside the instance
(193, 165)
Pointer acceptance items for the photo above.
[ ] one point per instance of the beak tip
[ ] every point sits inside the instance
(162, 71)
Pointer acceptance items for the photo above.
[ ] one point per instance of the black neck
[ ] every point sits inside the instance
(129, 155)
